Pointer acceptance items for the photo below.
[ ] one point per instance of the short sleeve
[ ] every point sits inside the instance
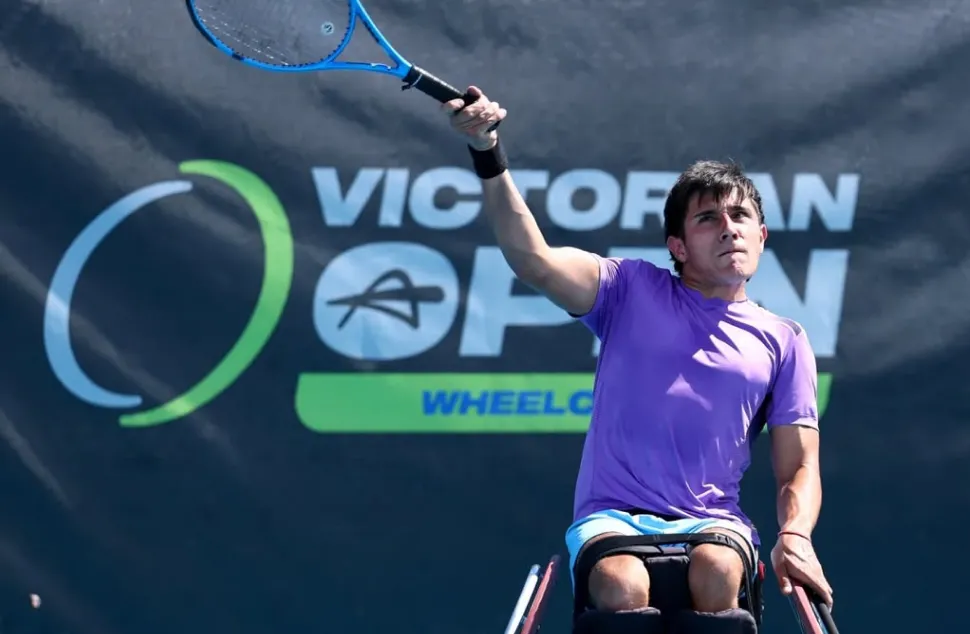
(794, 399)
(612, 288)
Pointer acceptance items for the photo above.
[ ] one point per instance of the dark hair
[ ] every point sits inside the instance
(703, 178)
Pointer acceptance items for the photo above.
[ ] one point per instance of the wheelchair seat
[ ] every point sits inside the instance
(666, 558)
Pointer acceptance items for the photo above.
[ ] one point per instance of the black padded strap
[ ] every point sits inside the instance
(646, 546)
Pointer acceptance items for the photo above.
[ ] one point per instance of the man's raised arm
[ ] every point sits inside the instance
(568, 276)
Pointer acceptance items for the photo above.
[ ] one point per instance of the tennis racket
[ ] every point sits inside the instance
(305, 35)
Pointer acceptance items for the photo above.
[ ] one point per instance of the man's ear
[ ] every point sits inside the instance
(764, 237)
(678, 248)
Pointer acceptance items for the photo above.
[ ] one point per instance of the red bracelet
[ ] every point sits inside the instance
(805, 537)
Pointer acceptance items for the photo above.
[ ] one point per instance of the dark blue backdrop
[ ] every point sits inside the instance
(238, 518)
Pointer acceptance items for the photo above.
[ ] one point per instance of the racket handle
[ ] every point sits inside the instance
(437, 88)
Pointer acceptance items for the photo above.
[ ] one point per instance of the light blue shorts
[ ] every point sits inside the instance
(621, 522)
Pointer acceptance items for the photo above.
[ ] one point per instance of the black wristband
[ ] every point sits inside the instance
(489, 163)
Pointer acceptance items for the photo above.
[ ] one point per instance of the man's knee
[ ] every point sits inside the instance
(715, 575)
(619, 582)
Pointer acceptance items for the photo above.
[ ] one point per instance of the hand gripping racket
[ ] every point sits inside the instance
(305, 35)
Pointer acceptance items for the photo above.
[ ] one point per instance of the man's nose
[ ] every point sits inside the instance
(729, 230)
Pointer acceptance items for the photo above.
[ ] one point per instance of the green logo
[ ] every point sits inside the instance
(277, 275)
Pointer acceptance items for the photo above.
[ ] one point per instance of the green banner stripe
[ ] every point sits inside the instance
(453, 403)
(446, 403)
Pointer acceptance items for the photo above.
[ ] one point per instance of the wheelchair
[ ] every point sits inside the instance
(666, 558)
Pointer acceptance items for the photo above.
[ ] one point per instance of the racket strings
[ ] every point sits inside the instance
(251, 39)
(278, 33)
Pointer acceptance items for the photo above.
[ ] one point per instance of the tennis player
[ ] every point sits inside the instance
(689, 371)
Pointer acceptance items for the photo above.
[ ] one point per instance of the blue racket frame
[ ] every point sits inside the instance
(411, 75)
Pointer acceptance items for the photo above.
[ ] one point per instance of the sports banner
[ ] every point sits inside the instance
(421, 335)
(267, 370)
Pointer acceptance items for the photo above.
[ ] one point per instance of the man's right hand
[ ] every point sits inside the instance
(474, 121)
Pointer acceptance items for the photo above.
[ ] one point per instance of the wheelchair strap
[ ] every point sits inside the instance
(652, 545)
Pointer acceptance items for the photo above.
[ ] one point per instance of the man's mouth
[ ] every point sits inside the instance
(730, 251)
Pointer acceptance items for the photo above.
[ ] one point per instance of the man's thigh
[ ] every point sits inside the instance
(595, 526)
(739, 533)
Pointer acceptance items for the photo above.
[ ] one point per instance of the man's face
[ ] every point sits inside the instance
(723, 241)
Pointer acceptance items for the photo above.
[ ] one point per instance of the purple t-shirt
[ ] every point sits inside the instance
(682, 385)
